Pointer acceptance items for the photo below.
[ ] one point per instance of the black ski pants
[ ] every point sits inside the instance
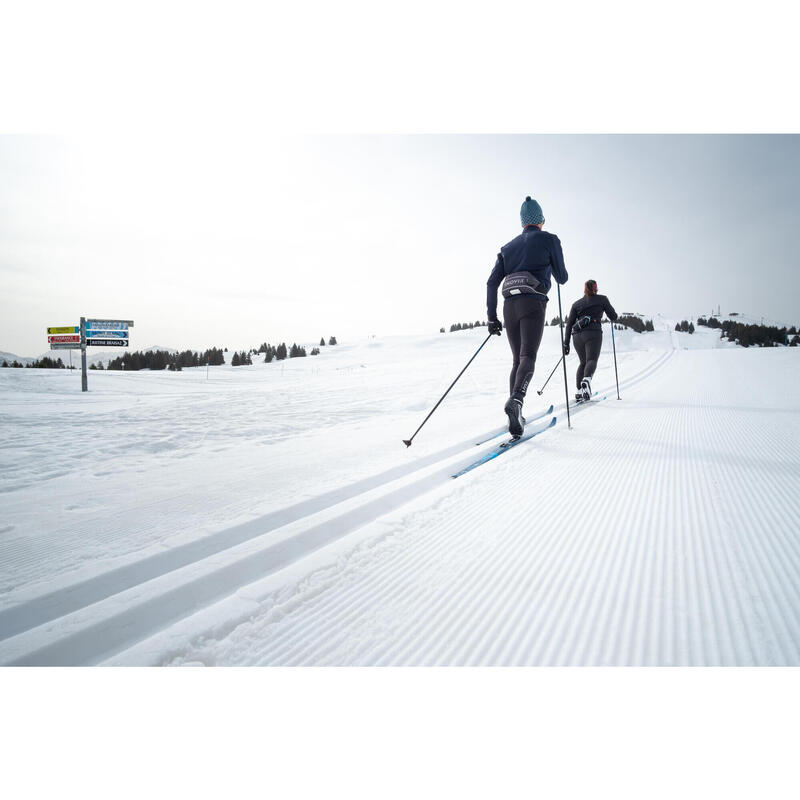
(587, 344)
(523, 317)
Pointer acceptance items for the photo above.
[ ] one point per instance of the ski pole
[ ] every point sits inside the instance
(563, 360)
(407, 442)
(613, 344)
(539, 391)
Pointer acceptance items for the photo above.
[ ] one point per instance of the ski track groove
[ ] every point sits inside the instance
(708, 576)
(703, 576)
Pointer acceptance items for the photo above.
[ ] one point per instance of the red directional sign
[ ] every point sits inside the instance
(71, 338)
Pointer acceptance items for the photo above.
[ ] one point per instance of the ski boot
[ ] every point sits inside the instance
(516, 422)
(586, 389)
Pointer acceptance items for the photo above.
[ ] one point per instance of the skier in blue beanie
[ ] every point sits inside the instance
(524, 266)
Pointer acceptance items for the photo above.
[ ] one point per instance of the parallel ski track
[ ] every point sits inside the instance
(705, 575)
(87, 642)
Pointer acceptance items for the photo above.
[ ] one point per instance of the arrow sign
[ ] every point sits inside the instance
(65, 329)
(69, 346)
(107, 342)
(107, 325)
(65, 339)
(107, 334)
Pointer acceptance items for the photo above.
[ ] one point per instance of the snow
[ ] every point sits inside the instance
(270, 514)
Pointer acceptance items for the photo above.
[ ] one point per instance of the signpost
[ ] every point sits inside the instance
(90, 333)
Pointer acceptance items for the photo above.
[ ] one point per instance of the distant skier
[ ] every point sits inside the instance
(524, 266)
(586, 329)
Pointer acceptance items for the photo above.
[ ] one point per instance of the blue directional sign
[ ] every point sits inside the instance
(106, 334)
(106, 325)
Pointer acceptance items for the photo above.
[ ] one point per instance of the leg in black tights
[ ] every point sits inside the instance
(587, 346)
(524, 322)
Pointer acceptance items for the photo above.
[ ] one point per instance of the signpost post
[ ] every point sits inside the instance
(84, 376)
(91, 332)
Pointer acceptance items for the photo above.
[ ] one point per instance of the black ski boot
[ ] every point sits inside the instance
(516, 422)
(586, 389)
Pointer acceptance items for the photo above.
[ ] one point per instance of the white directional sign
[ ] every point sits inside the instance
(70, 346)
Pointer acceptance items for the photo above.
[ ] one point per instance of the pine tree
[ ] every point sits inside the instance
(441, 330)
(322, 341)
(5, 363)
(280, 353)
(235, 361)
(332, 340)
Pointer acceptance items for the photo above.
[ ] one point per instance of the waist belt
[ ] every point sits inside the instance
(521, 283)
(582, 323)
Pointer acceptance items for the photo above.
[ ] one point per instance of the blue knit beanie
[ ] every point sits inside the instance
(531, 213)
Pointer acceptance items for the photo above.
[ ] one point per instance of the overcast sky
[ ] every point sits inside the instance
(233, 242)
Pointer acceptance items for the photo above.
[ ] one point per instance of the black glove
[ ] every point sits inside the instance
(495, 326)
(566, 348)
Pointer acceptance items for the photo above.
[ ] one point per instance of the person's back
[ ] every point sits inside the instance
(524, 266)
(584, 325)
(592, 306)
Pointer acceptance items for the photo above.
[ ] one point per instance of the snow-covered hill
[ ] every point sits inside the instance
(11, 357)
(271, 515)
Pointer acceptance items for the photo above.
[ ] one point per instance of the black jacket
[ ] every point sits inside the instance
(592, 306)
(534, 251)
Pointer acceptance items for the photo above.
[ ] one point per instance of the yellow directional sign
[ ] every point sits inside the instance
(65, 329)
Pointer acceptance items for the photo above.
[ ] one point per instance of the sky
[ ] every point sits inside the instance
(232, 241)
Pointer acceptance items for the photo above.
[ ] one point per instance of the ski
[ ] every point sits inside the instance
(589, 402)
(505, 447)
(577, 403)
(505, 430)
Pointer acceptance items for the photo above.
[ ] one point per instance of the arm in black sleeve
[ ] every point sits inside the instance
(495, 279)
(569, 323)
(609, 309)
(557, 258)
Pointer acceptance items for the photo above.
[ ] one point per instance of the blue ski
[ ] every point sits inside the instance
(505, 447)
(505, 430)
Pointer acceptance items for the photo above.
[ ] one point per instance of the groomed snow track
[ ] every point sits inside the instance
(67, 626)
(697, 573)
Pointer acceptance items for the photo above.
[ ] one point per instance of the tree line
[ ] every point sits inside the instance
(635, 323)
(464, 326)
(752, 335)
(42, 363)
(626, 321)
(164, 359)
